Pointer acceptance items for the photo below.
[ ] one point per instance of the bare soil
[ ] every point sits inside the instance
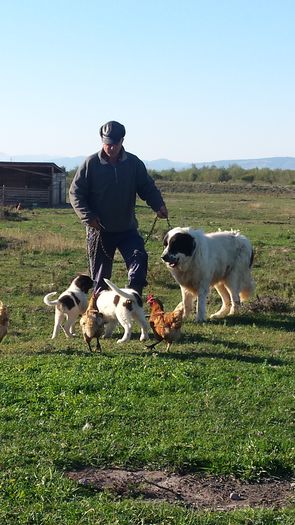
(211, 493)
(268, 303)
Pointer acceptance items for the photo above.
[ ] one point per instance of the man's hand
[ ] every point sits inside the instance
(162, 213)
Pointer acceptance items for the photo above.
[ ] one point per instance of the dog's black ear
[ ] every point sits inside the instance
(84, 282)
(89, 283)
(182, 243)
(190, 245)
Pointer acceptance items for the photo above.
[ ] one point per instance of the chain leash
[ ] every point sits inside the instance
(153, 227)
(151, 230)
(169, 224)
(95, 240)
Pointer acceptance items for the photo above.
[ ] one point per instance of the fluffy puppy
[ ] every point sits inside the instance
(122, 305)
(70, 304)
(4, 320)
(199, 261)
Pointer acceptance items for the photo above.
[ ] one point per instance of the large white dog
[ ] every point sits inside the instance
(199, 261)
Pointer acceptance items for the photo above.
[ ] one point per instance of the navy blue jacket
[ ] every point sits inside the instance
(100, 189)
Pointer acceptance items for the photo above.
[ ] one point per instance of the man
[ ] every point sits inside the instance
(103, 195)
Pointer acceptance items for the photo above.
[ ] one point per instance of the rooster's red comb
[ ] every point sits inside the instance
(150, 298)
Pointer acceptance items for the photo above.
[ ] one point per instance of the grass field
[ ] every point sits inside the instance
(220, 403)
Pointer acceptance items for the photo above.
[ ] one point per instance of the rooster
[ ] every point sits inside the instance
(4, 320)
(165, 325)
(92, 324)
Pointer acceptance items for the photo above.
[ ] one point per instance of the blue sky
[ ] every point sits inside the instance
(192, 80)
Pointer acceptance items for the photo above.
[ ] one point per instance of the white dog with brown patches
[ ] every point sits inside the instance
(70, 304)
(123, 305)
(199, 261)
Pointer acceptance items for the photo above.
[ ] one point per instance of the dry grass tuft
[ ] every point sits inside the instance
(49, 242)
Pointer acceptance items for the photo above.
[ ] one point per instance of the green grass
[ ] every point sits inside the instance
(220, 402)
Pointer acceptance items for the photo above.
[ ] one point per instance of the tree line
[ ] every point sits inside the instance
(232, 174)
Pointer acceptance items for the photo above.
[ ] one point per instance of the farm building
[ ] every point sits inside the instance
(32, 184)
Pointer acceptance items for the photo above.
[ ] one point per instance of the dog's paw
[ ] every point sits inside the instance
(144, 337)
(220, 314)
(122, 340)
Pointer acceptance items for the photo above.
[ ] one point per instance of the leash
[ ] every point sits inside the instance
(153, 227)
(151, 230)
(94, 240)
(169, 224)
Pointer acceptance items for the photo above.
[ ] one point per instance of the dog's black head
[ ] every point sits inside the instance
(84, 282)
(176, 245)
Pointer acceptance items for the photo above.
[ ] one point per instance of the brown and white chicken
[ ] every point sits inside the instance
(165, 325)
(92, 324)
(4, 320)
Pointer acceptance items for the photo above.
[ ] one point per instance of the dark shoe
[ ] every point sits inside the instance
(137, 289)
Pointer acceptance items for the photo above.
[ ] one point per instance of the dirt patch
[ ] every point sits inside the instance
(268, 303)
(214, 493)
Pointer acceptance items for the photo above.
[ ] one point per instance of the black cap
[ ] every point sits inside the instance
(112, 132)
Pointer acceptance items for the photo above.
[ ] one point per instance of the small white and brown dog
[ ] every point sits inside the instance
(122, 305)
(70, 304)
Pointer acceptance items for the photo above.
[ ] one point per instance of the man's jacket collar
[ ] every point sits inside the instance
(103, 158)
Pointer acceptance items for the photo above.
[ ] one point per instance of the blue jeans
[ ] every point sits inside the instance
(101, 250)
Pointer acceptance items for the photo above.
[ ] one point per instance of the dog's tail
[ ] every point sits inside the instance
(47, 299)
(119, 291)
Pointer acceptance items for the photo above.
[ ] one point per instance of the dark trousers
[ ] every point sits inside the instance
(101, 250)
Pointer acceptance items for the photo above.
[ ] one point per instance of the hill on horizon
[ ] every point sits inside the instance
(283, 163)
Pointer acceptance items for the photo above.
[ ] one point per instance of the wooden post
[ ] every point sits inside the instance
(2, 202)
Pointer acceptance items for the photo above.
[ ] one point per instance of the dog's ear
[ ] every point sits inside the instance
(84, 282)
(182, 243)
(89, 283)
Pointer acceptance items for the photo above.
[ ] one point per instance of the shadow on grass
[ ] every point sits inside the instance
(224, 343)
(193, 354)
(162, 354)
(223, 355)
(234, 351)
(230, 350)
(285, 323)
(51, 349)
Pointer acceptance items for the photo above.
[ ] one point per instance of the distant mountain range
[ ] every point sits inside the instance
(283, 163)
